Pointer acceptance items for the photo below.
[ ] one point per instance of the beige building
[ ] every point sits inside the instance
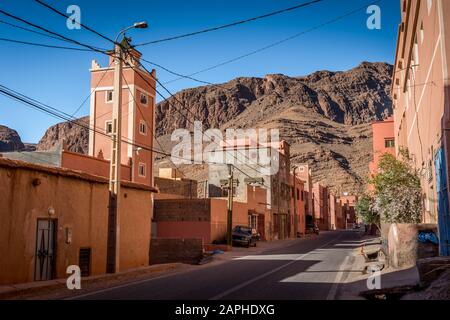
(421, 99)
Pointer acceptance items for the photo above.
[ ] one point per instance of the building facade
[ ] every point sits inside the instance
(421, 95)
(64, 221)
(321, 209)
(277, 183)
(383, 142)
(138, 116)
(298, 206)
(304, 173)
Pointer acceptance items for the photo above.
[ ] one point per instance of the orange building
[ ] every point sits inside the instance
(383, 141)
(348, 203)
(206, 219)
(51, 218)
(298, 218)
(304, 173)
(138, 109)
(321, 206)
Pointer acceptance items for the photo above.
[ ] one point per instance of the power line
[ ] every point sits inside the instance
(59, 114)
(123, 60)
(43, 45)
(229, 24)
(183, 76)
(274, 44)
(30, 30)
(50, 32)
(176, 99)
(36, 32)
(77, 22)
(143, 117)
(91, 91)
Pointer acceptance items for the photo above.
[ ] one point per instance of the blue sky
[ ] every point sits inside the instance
(60, 78)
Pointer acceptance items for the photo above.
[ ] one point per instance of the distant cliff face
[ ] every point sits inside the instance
(75, 137)
(10, 140)
(324, 116)
(357, 96)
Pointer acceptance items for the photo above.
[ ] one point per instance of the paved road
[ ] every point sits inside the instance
(306, 269)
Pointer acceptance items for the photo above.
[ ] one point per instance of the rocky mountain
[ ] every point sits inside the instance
(10, 140)
(74, 136)
(325, 116)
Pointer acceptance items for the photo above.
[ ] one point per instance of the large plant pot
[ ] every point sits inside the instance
(400, 243)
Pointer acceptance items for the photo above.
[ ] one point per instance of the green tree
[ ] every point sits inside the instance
(365, 210)
(397, 194)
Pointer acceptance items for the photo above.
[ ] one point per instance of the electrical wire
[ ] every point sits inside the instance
(274, 44)
(229, 24)
(44, 45)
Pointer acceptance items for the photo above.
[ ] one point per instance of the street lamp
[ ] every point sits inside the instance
(113, 240)
(136, 25)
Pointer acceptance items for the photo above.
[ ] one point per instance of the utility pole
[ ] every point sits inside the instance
(113, 253)
(295, 205)
(230, 205)
(113, 240)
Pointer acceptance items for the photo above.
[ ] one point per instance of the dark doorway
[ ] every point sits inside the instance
(44, 268)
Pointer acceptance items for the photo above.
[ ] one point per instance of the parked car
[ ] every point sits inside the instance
(312, 228)
(243, 235)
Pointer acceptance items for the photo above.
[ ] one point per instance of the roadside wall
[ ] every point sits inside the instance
(176, 250)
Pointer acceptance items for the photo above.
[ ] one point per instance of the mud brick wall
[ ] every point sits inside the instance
(182, 210)
(176, 250)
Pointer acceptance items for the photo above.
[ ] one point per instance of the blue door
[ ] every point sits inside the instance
(443, 207)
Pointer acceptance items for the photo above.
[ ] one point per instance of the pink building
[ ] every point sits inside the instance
(321, 205)
(420, 90)
(298, 218)
(383, 141)
(138, 106)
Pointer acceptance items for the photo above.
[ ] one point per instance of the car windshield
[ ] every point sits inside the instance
(243, 229)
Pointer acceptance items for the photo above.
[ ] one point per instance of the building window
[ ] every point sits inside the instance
(253, 221)
(416, 53)
(422, 33)
(389, 143)
(109, 96)
(108, 127)
(143, 128)
(142, 169)
(144, 99)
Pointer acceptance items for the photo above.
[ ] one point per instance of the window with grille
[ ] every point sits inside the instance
(389, 143)
(108, 127)
(143, 127)
(109, 96)
(142, 169)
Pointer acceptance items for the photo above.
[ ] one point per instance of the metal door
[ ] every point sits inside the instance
(45, 249)
(262, 226)
(443, 207)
